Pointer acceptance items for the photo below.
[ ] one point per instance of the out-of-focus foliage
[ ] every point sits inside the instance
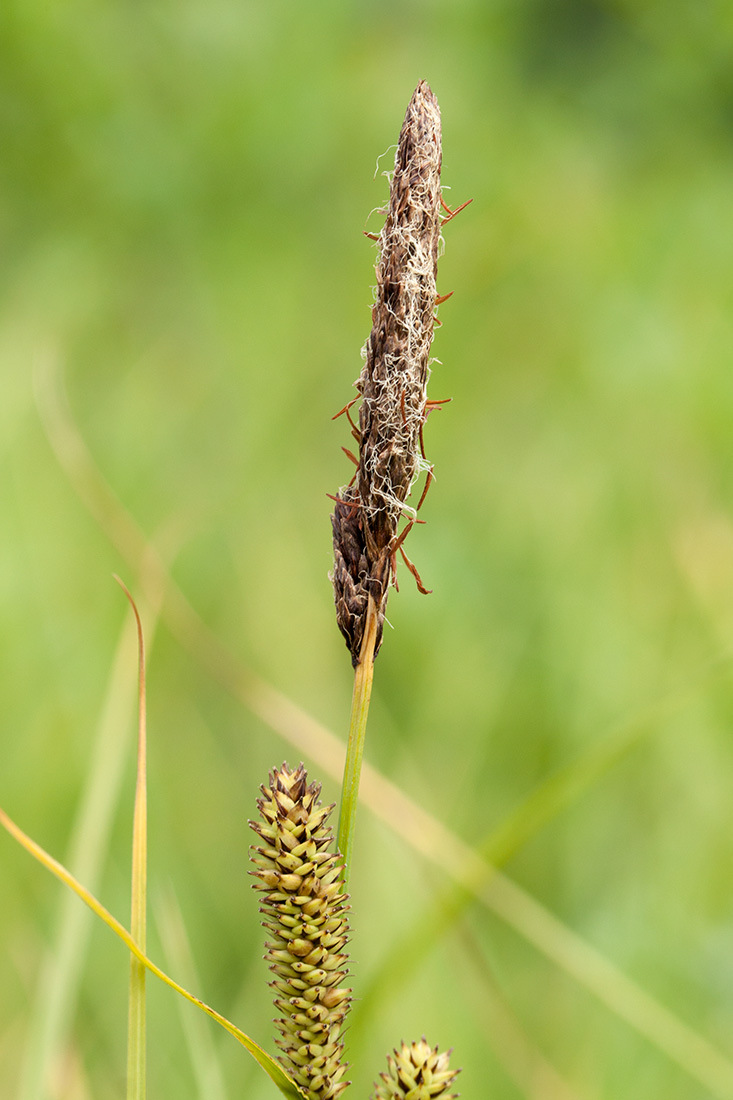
(183, 189)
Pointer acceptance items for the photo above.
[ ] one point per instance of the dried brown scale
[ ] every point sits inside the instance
(305, 916)
(393, 380)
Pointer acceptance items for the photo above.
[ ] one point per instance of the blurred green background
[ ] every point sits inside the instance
(183, 192)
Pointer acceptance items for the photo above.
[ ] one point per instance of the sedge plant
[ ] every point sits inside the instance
(301, 867)
(301, 874)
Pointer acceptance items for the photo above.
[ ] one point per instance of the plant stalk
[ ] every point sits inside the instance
(363, 675)
(136, 1045)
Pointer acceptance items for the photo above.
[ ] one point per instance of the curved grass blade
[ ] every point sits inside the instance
(274, 1071)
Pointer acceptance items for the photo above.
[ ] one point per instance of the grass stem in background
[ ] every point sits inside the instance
(57, 991)
(204, 1055)
(136, 1070)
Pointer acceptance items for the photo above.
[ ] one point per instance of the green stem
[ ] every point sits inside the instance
(136, 1057)
(363, 675)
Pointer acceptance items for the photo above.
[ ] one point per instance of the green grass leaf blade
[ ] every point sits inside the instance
(274, 1071)
(136, 1039)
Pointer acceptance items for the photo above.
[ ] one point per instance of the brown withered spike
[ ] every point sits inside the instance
(393, 381)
